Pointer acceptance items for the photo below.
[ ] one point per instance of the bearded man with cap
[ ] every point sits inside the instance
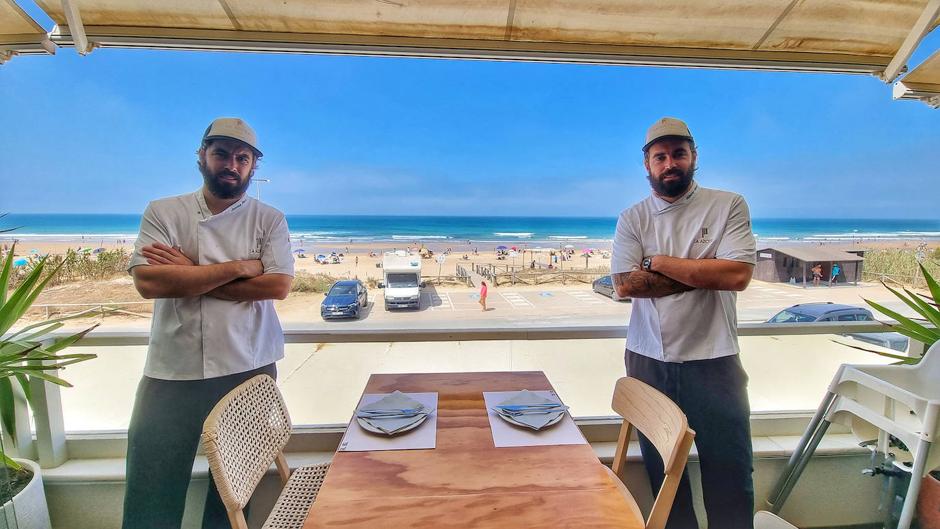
(681, 254)
(213, 260)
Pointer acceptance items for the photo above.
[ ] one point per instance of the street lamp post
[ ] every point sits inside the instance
(260, 181)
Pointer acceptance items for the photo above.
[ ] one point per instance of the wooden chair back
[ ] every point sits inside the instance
(663, 423)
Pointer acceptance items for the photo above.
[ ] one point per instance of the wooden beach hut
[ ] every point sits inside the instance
(794, 263)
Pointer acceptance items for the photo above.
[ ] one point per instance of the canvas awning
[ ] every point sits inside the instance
(813, 254)
(923, 83)
(796, 35)
(19, 33)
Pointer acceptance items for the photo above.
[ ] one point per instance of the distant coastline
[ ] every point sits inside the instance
(549, 231)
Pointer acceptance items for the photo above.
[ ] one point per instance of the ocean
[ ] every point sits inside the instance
(343, 228)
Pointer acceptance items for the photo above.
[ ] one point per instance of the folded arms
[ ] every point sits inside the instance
(672, 275)
(172, 274)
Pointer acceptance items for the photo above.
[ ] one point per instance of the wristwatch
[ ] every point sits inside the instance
(647, 263)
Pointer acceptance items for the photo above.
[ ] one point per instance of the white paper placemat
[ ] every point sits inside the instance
(422, 437)
(565, 432)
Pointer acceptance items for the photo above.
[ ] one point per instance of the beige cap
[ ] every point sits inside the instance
(666, 127)
(233, 128)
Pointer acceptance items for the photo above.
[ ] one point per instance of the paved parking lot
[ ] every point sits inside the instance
(579, 305)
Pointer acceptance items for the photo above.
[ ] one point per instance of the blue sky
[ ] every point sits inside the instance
(350, 135)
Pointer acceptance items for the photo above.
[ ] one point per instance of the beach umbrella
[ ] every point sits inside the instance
(98, 250)
(34, 251)
(20, 262)
(586, 250)
(501, 247)
(569, 246)
(513, 248)
(299, 250)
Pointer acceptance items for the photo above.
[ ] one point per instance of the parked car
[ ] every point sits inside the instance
(345, 299)
(828, 311)
(605, 287)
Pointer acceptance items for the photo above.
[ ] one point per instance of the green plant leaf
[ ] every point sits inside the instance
(24, 383)
(925, 310)
(932, 284)
(12, 310)
(5, 275)
(902, 359)
(62, 343)
(26, 302)
(8, 407)
(912, 303)
(10, 463)
(906, 326)
(46, 376)
(27, 328)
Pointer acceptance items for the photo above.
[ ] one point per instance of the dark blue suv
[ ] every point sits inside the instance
(346, 299)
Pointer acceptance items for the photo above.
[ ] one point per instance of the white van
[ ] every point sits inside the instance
(402, 280)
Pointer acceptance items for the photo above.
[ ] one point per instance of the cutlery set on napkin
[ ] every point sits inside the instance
(393, 414)
(530, 410)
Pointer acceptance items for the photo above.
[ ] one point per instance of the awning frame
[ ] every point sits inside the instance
(370, 45)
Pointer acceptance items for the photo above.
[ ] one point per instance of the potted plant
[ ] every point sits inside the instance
(28, 352)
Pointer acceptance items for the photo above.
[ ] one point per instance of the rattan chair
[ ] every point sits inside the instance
(245, 432)
(664, 424)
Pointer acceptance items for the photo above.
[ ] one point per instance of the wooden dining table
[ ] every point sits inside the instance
(465, 481)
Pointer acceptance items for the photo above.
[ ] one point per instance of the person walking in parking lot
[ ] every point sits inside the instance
(681, 254)
(213, 261)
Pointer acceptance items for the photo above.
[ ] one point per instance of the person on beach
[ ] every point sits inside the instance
(817, 274)
(213, 261)
(836, 270)
(681, 254)
(483, 295)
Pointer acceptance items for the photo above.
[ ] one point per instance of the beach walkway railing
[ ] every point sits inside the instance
(102, 308)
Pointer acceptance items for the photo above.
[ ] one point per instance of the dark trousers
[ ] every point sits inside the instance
(713, 395)
(161, 446)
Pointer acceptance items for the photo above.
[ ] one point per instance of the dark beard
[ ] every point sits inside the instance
(676, 187)
(220, 189)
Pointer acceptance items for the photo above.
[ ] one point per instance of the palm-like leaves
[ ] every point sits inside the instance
(917, 329)
(29, 352)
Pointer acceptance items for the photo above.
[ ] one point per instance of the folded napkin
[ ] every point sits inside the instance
(392, 413)
(530, 410)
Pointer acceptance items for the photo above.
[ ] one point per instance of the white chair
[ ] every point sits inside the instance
(664, 424)
(766, 520)
(877, 402)
(246, 432)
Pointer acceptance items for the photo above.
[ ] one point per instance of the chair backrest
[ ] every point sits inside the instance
(663, 423)
(242, 436)
(929, 366)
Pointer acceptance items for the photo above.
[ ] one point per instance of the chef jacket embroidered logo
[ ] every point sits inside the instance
(704, 239)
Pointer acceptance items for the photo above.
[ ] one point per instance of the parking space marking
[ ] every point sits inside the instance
(587, 298)
(440, 302)
(515, 299)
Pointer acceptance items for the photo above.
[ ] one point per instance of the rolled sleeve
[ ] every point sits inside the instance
(152, 230)
(737, 242)
(276, 255)
(627, 250)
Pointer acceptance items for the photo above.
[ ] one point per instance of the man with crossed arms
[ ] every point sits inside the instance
(214, 260)
(681, 254)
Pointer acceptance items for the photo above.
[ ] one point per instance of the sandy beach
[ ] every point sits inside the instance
(362, 260)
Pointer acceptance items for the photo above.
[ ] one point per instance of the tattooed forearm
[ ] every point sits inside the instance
(641, 284)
